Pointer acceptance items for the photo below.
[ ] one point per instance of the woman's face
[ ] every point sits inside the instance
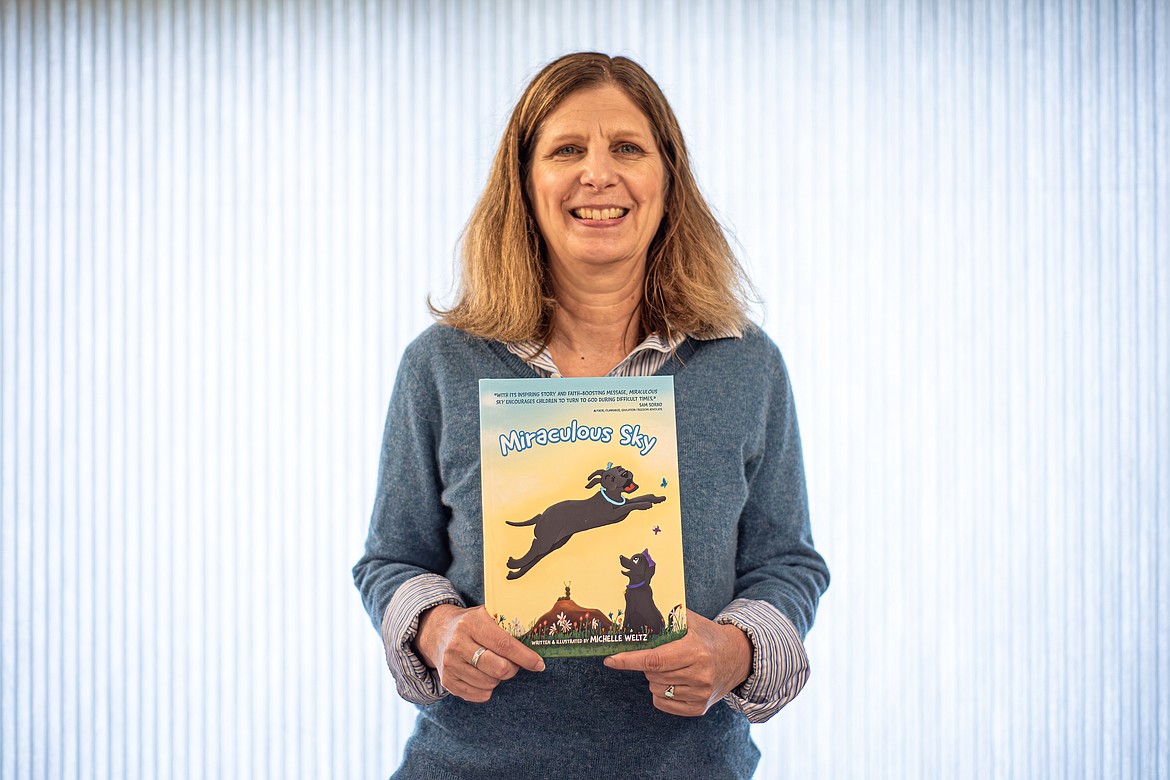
(597, 182)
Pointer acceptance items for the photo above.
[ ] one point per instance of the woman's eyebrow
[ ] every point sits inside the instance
(577, 135)
(562, 137)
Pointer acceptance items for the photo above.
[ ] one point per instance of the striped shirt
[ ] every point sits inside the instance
(779, 663)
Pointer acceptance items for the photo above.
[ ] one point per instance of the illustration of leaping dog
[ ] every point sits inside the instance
(557, 524)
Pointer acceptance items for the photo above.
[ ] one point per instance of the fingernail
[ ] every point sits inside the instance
(608, 661)
(541, 667)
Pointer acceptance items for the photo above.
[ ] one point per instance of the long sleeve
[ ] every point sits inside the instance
(416, 683)
(775, 558)
(408, 528)
(779, 663)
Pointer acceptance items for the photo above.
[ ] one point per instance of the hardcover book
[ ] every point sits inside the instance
(582, 530)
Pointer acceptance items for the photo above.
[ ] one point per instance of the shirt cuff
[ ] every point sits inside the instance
(779, 664)
(416, 683)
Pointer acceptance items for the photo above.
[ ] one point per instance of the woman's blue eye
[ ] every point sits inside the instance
(566, 150)
(628, 148)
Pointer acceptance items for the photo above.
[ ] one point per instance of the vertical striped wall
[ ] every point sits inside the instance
(221, 219)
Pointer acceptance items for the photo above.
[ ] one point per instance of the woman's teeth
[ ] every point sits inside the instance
(599, 213)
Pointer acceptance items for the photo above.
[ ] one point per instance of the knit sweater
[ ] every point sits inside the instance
(745, 534)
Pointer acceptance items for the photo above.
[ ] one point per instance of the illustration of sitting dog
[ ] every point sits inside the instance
(557, 524)
(641, 614)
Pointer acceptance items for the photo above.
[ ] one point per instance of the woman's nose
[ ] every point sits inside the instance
(598, 169)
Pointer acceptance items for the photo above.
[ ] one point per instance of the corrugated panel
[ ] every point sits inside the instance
(220, 222)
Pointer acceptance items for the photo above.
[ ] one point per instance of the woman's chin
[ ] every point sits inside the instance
(602, 257)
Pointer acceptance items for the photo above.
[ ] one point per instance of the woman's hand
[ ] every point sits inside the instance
(448, 640)
(700, 669)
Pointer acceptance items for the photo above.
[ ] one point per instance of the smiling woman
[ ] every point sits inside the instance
(597, 184)
(592, 253)
(584, 116)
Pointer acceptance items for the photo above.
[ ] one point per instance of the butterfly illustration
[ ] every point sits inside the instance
(657, 530)
(664, 482)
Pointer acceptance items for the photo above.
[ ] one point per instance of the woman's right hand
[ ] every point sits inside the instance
(447, 641)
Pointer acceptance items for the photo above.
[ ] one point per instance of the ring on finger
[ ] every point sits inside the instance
(475, 656)
(669, 692)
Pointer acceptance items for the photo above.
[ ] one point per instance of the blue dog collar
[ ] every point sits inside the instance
(610, 500)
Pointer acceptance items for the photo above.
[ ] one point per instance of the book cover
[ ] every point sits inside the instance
(581, 521)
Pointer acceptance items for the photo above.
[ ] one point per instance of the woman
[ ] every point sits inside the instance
(592, 253)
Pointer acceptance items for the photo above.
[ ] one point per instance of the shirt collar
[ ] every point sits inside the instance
(536, 354)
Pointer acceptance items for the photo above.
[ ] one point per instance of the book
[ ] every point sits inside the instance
(582, 527)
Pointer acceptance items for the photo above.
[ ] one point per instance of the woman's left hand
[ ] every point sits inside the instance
(699, 669)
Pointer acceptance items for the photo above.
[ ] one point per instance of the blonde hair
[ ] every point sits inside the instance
(694, 284)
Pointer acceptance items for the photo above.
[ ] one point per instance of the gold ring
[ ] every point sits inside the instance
(475, 656)
(669, 693)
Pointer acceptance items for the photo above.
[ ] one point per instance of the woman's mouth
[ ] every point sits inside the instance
(594, 215)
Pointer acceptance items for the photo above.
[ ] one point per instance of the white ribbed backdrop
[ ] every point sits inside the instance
(220, 223)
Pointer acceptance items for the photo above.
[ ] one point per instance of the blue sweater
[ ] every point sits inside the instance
(745, 534)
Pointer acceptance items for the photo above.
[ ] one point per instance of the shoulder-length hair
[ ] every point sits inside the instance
(694, 284)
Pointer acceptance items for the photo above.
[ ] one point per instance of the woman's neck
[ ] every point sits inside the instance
(597, 320)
